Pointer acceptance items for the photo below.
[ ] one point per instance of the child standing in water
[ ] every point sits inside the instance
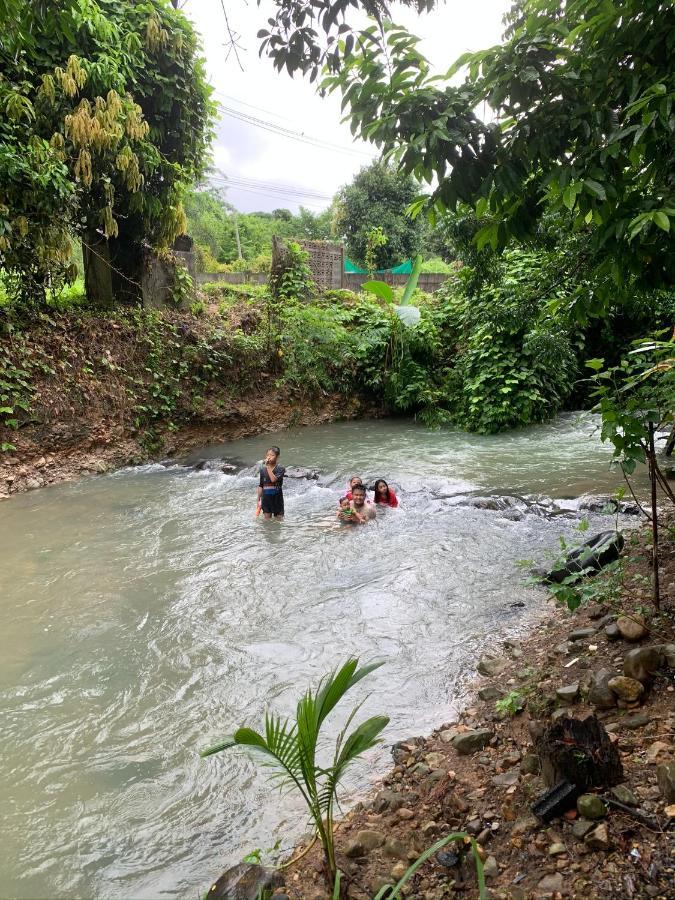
(270, 488)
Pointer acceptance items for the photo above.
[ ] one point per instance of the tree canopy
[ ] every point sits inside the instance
(583, 96)
(106, 116)
(371, 215)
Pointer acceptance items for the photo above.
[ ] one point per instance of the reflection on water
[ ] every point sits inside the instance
(147, 613)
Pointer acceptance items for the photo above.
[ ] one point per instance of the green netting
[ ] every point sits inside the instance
(404, 269)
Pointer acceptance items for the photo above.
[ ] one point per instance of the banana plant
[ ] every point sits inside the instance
(408, 314)
(290, 748)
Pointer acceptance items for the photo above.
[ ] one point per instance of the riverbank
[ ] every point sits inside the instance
(84, 393)
(480, 772)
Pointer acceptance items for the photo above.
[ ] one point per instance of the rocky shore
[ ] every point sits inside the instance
(481, 773)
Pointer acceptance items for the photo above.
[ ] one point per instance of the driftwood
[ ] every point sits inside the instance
(579, 752)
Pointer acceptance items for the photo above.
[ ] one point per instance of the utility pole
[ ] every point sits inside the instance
(236, 233)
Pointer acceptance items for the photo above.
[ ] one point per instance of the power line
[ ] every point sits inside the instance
(277, 187)
(281, 131)
(273, 196)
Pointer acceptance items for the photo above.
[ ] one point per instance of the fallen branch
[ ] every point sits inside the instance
(648, 821)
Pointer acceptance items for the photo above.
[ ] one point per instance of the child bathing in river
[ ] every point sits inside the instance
(345, 513)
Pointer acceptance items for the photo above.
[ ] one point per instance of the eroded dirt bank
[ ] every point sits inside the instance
(86, 393)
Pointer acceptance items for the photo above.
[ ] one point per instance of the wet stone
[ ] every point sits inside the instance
(245, 881)
(491, 666)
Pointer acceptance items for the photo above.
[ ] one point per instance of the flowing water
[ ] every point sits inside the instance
(147, 613)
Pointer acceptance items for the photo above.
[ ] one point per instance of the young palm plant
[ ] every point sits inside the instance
(290, 748)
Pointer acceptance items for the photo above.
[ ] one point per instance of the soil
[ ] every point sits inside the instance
(94, 444)
(433, 791)
(82, 418)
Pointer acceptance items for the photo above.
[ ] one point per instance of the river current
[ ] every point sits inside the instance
(147, 613)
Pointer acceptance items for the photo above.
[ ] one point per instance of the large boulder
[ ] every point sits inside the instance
(245, 881)
(591, 556)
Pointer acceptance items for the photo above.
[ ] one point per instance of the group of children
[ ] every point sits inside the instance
(354, 509)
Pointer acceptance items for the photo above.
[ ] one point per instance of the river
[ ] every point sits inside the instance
(147, 613)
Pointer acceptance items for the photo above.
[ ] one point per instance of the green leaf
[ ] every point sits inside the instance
(595, 364)
(662, 220)
(380, 288)
(409, 315)
(595, 188)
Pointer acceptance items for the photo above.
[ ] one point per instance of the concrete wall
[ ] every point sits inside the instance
(428, 281)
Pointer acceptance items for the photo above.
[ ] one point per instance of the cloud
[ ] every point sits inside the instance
(252, 151)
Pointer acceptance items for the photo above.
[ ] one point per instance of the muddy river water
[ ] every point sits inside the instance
(147, 613)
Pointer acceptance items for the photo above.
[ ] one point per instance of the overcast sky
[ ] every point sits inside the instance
(260, 160)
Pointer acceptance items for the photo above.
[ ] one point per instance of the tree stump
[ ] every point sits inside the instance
(579, 752)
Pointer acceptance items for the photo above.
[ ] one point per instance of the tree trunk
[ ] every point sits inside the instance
(98, 282)
(651, 456)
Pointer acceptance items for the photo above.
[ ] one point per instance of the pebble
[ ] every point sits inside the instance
(395, 848)
(490, 868)
(530, 764)
(551, 884)
(506, 779)
(581, 828)
(557, 849)
(490, 693)
(435, 760)
(598, 839)
(405, 814)
(632, 629)
(398, 871)
(612, 632)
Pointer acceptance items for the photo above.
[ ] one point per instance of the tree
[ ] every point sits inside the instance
(583, 94)
(106, 116)
(378, 199)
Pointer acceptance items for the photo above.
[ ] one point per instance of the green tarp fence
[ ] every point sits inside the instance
(404, 269)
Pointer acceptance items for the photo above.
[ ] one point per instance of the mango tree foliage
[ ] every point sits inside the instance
(106, 117)
(583, 97)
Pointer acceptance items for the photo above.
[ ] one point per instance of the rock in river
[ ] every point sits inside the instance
(245, 882)
(491, 665)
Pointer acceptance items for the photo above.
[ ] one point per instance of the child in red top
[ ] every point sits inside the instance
(384, 494)
(353, 481)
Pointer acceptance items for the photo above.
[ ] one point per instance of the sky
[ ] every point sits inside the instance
(267, 170)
